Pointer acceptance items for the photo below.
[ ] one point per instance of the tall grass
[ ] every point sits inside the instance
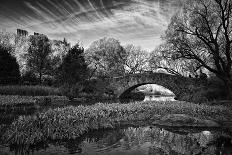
(16, 101)
(72, 122)
(11, 100)
(29, 90)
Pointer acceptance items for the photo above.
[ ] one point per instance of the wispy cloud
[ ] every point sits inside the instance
(131, 21)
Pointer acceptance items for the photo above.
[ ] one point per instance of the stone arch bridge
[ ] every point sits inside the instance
(179, 85)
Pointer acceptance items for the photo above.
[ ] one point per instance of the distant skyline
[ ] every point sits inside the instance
(138, 22)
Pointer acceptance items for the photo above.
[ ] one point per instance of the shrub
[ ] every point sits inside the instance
(215, 90)
(74, 68)
(29, 78)
(71, 91)
(9, 68)
(205, 94)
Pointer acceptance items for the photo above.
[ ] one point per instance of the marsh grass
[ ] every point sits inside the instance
(29, 90)
(72, 122)
(12, 102)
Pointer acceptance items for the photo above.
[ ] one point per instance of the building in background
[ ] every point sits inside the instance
(36, 34)
(21, 32)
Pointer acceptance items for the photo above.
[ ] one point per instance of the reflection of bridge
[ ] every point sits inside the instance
(179, 85)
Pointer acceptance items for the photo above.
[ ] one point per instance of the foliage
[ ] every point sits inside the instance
(38, 56)
(60, 48)
(29, 90)
(74, 68)
(214, 90)
(7, 40)
(136, 59)
(72, 122)
(20, 50)
(59, 51)
(29, 78)
(9, 68)
(106, 57)
(201, 31)
(71, 90)
(18, 46)
(98, 88)
(202, 95)
(73, 71)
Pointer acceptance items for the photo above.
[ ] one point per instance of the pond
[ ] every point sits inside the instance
(141, 140)
(149, 140)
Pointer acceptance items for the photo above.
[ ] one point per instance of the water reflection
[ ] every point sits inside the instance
(138, 96)
(150, 97)
(132, 141)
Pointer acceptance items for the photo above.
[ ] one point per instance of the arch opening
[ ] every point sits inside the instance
(147, 92)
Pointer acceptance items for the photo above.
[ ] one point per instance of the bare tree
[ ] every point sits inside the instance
(163, 58)
(136, 60)
(201, 31)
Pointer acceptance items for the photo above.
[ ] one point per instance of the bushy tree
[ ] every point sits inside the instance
(74, 68)
(38, 56)
(106, 57)
(202, 31)
(73, 71)
(9, 68)
(59, 51)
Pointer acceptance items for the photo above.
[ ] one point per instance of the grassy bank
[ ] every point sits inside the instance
(72, 122)
(10, 100)
(29, 90)
(14, 101)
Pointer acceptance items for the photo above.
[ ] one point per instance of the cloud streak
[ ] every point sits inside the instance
(141, 22)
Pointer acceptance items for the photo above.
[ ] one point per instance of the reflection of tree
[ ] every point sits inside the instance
(135, 137)
(105, 139)
(191, 143)
(166, 142)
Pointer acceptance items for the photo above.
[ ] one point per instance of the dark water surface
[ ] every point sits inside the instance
(134, 141)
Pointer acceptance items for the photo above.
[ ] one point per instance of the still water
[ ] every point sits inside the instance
(149, 140)
(158, 98)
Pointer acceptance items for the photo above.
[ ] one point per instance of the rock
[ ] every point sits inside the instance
(182, 120)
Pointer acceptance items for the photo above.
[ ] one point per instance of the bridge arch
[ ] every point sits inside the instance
(127, 91)
(179, 85)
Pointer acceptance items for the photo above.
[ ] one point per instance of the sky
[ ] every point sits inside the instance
(138, 22)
